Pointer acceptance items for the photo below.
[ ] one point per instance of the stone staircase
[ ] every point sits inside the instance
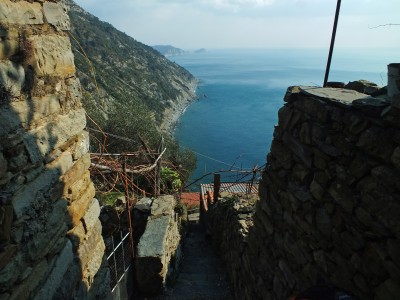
(202, 275)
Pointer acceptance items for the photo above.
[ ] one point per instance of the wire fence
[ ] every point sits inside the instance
(119, 256)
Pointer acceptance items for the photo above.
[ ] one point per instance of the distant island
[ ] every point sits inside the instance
(168, 50)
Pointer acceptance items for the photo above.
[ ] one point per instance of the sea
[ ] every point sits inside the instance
(230, 126)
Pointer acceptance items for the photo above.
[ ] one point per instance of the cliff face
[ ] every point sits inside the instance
(329, 201)
(129, 74)
(50, 235)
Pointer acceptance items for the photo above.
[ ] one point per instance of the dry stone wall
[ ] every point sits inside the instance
(50, 236)
(329, 201)
(159, 248)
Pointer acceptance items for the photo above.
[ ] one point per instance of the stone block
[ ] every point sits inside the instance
(91, 216)
(284, 114)
(34, 109)
(44, 139)
(8, 48)
(52, 56)
(156, 246)
(303, 152)
(79, 206)
(77, 235)
(291, 93)
(313, 107)
(30, 192)
(162, 206)
(12, 77)
(95, 260)
(390, 289)
(305, 133)
(26, 288)
(282, 154)
(81, 147)
(76, 189)
(93, 240)
(50, 233)
(55, 278)
(20, 13)
(343, 195)
(368, 142)
(56, 15)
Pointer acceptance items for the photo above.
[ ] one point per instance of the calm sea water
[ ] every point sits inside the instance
(241, 91)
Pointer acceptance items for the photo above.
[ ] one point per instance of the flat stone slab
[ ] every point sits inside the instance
(152, 241)
(343, 96)
(372, 106)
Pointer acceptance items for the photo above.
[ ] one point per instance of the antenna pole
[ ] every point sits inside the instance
(328, 65)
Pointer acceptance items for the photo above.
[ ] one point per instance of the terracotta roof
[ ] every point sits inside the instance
(190, 198)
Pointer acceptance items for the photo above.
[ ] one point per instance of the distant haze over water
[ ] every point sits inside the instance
(241, 91)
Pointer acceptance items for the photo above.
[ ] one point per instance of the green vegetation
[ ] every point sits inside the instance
(170, 180)
(108, 198)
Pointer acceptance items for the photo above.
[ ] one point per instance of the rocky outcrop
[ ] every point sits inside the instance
(50, 235)
(158, 251)
(329, 198)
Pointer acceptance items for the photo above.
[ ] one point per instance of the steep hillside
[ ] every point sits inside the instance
(129, 74)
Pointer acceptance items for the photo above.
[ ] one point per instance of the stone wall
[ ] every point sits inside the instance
(50, 236)
(329, 201)
(159, 249)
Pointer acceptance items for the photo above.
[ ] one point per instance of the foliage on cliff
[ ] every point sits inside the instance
(128, 87)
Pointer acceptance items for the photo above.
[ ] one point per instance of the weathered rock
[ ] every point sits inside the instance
(21, 13)
(158, 244)
(9, 44)
(56, 15)
(12, 77)
(52, 55)
(78, 207)
(362, 86)
(26, 288)
(34, 109)
(26, 196)
(60, 266)
(42, 140)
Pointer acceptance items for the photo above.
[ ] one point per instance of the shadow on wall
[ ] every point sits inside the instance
(50, 235)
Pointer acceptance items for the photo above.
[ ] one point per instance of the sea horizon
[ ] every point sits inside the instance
(241, 90)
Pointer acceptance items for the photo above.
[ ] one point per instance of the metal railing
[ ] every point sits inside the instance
(119, 256)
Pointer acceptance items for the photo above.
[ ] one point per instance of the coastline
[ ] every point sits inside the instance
(172, 115)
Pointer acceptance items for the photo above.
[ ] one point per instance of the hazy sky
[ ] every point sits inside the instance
(191, 24)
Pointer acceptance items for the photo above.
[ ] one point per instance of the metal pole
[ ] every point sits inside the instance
(328, 65)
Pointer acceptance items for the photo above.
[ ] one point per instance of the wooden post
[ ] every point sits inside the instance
(157, 181)
(217, 185)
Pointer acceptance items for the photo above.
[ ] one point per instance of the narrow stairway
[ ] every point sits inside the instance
(202, 274)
